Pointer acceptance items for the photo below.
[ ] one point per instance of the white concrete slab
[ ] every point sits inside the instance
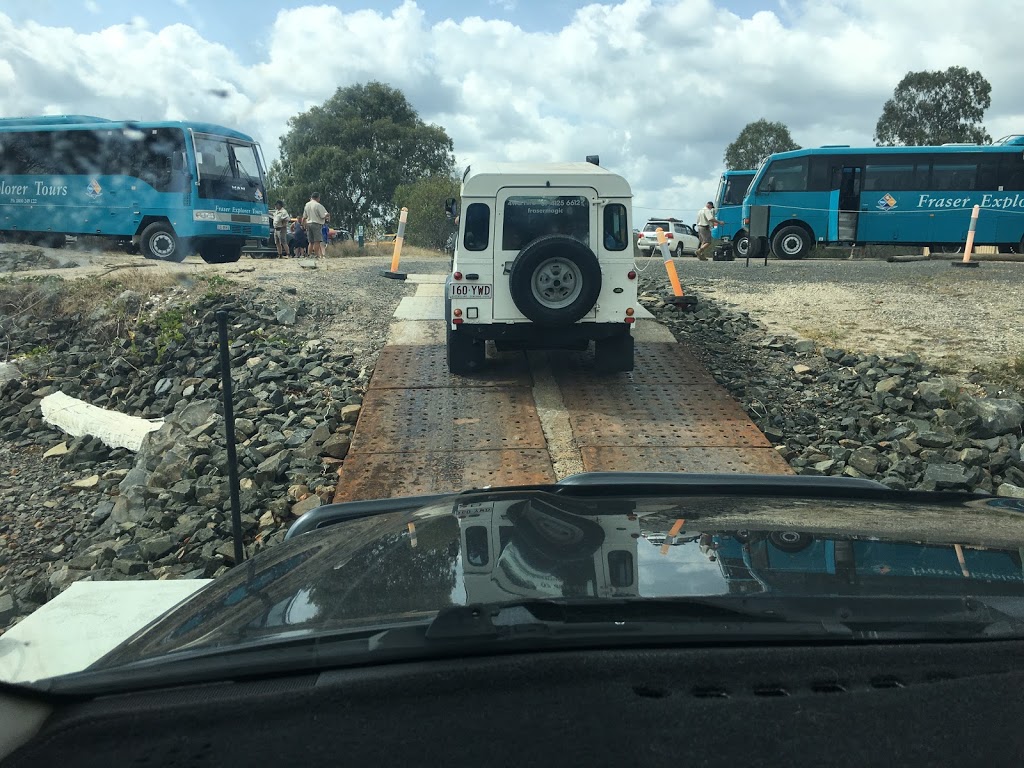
(427, 277)
(420, 308)
(429, 289)
(651, 331)
(417, 332)
(84, 622)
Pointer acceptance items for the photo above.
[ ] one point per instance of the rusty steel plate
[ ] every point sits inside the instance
(653, 363)
(447, 419)
(747, 461)
(406, 365)
(388, 475)
(628, 415)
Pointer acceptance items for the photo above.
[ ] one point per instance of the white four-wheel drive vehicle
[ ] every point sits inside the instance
(544, 260)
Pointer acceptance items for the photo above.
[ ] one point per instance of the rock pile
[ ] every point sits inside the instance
(82, 510)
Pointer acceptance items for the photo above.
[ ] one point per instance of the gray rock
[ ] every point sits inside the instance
(973, 457)
(8, 608)
(155, 548)
(1010, 491)
(865, 461)
(934, 440)
(889, 385)
(273, 468)
(939, 477)
(302, 507)
(287, 314)
(933, 394)
(336, 446)
(994, 416)
(129, 301)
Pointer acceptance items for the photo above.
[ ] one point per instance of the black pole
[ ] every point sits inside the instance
(229, 430)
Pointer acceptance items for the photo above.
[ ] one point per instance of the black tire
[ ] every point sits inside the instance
(947, 248)
(555, 280)
(679, 252)
(223, 254)
(547, 534)
(159, 242)
(466, 355)
(614, 355)
(791, 243)
(790, 541)
(741, 246)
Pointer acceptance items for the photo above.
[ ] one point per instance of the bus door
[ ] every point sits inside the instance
(844, 204)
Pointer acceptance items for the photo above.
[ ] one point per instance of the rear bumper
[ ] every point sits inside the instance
(532, 336)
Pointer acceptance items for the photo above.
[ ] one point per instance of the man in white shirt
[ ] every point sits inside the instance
(315, 216)
(280, 218)
(705, 221)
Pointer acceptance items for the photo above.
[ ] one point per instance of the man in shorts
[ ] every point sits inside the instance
(705, 221)
(281, 219)
(315, 216)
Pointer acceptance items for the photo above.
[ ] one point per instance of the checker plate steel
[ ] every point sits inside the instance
(389, 475)
(406, 365)
(447, 419)
(631, 415)
(671, 459)
(654, 363)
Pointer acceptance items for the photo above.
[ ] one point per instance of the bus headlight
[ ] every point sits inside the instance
(204, 216)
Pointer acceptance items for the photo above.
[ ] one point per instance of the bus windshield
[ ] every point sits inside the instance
(223, 164)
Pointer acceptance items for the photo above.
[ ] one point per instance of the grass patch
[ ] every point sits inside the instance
(380, 250)
(827, 337)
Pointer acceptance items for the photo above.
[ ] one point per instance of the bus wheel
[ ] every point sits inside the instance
(220, 254)
(741, 246)
(946, 248)
(791, 243)
(159, 242)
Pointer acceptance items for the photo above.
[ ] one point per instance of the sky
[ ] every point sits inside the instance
(657, 89)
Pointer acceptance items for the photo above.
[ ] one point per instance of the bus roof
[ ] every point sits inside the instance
(952, 149)
(82, 122)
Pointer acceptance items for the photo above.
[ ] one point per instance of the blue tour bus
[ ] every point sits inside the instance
(784, 561)
(918, 196)
(732, 188)
(166, 189)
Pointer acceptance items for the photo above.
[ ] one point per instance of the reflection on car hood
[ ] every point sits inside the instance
(505, 546)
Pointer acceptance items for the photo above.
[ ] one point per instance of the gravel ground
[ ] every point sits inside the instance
(957, 319)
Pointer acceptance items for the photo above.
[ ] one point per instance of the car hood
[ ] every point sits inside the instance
(511, 545)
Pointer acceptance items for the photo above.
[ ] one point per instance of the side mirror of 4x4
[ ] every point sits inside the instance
(451, 207)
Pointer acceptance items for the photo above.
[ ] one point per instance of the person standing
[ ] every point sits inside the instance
(315, 216)
(281, 218)
(705, 221)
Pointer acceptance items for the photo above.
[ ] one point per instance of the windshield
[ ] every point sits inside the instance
(261, 282)
(227, 169)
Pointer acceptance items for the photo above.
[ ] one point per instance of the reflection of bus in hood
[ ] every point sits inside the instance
(530, 549)
(795, 562)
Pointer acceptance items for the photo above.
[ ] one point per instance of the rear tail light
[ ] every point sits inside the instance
(668, 235)
(457, 275)
(631, 275)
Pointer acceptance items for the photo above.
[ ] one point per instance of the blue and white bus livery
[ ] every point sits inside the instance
(166, 189)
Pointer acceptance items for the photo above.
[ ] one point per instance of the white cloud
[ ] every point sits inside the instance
(658, 89)
(92, 6)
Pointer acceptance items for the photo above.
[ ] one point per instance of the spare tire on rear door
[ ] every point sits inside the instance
(555, 280)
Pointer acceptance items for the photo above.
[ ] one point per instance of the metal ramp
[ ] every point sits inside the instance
(422, 430)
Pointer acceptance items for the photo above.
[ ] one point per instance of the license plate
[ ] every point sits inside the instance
(469, 291)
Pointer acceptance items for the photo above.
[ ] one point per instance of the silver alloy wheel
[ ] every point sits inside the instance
(162, 245)
(792, 244)
(557, 282)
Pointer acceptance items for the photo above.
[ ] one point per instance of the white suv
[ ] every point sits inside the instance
(681, 237)
(544, 260)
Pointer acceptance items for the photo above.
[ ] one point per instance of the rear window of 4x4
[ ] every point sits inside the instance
(527, 218)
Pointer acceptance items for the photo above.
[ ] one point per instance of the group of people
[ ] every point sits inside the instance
(308, 233)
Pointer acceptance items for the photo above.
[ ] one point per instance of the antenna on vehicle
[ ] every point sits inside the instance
(229, 429)
(595, 159)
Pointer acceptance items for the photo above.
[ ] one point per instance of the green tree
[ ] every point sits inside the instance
(427, 225)
(929, 108)
(356, 149)
(755, 142)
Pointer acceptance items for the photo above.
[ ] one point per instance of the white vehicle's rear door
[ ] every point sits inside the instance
(525, 213)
